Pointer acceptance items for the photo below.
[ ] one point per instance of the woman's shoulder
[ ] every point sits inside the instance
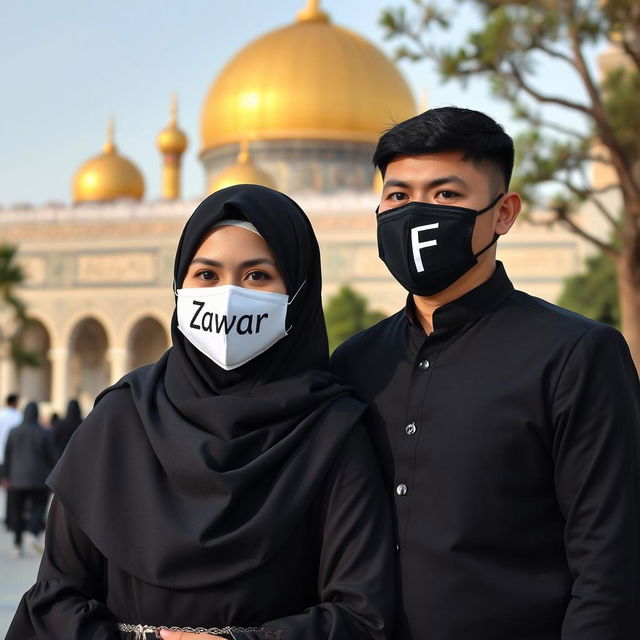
(110, 414)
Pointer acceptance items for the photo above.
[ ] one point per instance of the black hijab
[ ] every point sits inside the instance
(186, 475)
(65, 427)
(30, 416)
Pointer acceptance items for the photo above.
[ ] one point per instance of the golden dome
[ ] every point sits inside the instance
(243, 172)
(309, 80)
(171, 139)
(107, 176)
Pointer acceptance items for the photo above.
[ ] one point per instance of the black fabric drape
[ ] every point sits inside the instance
(186, 475)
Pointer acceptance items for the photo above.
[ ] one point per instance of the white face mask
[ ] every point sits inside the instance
(229, 324)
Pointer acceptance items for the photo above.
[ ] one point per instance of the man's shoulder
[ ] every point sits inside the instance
(538, 310)
(9, 415)
(553, 325)
(371, 336)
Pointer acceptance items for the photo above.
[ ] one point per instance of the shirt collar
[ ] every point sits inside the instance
(471, 306)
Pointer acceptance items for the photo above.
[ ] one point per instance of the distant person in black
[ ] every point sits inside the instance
(28, 460)
(64, 428)
(508, 428)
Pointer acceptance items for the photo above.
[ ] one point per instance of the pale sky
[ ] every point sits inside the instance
(66, 66)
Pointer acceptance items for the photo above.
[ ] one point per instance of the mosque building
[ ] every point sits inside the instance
(299, 109)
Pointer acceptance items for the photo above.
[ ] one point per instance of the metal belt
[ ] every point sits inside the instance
(149, 632)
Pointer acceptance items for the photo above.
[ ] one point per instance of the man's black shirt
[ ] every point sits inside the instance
(510, 436)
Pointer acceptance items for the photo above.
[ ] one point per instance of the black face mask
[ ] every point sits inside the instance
(427, 247)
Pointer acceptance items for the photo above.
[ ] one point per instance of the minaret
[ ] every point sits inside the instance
(244, 171)
(312, 13)
(172, 143)
(109, 145)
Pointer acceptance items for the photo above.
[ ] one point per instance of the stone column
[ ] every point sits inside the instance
(59, 358)
(117, 357)
(8, 375)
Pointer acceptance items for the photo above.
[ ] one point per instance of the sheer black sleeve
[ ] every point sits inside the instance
(356, 582)
(67, 601)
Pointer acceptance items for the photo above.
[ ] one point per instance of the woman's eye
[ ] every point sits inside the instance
(205, 275)
(258, 276)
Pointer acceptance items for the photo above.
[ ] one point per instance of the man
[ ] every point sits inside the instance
(29, 459)
(507, 427)
(10, 417)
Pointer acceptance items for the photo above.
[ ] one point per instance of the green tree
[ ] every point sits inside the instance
(347, 313)
(593, 293)
(13, 312)
(514, 40)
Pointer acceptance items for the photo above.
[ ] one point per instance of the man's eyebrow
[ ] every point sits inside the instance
(436, 182)
(247, 263)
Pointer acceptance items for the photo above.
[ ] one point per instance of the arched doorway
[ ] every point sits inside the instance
(88, 366)
(34, 382)
(148, 340)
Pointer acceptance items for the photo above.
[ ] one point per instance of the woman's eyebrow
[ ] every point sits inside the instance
(247, 263)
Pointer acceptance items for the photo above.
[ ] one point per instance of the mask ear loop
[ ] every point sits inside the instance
(173, 285)
(493, 204)
(496, 236)
(292, 299)
(297, 292)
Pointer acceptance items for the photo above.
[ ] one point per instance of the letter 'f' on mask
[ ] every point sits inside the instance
(426, 246)
(229, 324)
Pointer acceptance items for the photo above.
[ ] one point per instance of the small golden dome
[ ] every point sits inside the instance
(171, 139)
(243, 172)
(309, 80)
(108, 176)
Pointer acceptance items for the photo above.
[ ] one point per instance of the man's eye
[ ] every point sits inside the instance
(397, 196)
(447, 195)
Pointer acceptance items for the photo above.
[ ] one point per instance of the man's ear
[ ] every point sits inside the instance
(508, 212)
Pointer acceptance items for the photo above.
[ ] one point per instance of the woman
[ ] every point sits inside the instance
(229, 490)
(65, 427)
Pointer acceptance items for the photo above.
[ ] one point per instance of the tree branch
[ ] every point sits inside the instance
(598, 112)
(631, 52)
(554, 53)
(597, 202)
(554, 126)
(564, 218)
(524, 85)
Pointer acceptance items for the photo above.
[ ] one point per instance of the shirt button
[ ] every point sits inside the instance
(401, 489)
(424, 365)
(410, 429)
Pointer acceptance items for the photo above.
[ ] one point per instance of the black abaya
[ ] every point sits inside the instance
(197, 497)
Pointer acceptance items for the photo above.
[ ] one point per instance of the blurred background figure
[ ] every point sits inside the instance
(10, 417)
(28, 459)
(63, 429)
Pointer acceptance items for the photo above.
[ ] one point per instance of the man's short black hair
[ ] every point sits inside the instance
(475, 134)
(12, 399)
